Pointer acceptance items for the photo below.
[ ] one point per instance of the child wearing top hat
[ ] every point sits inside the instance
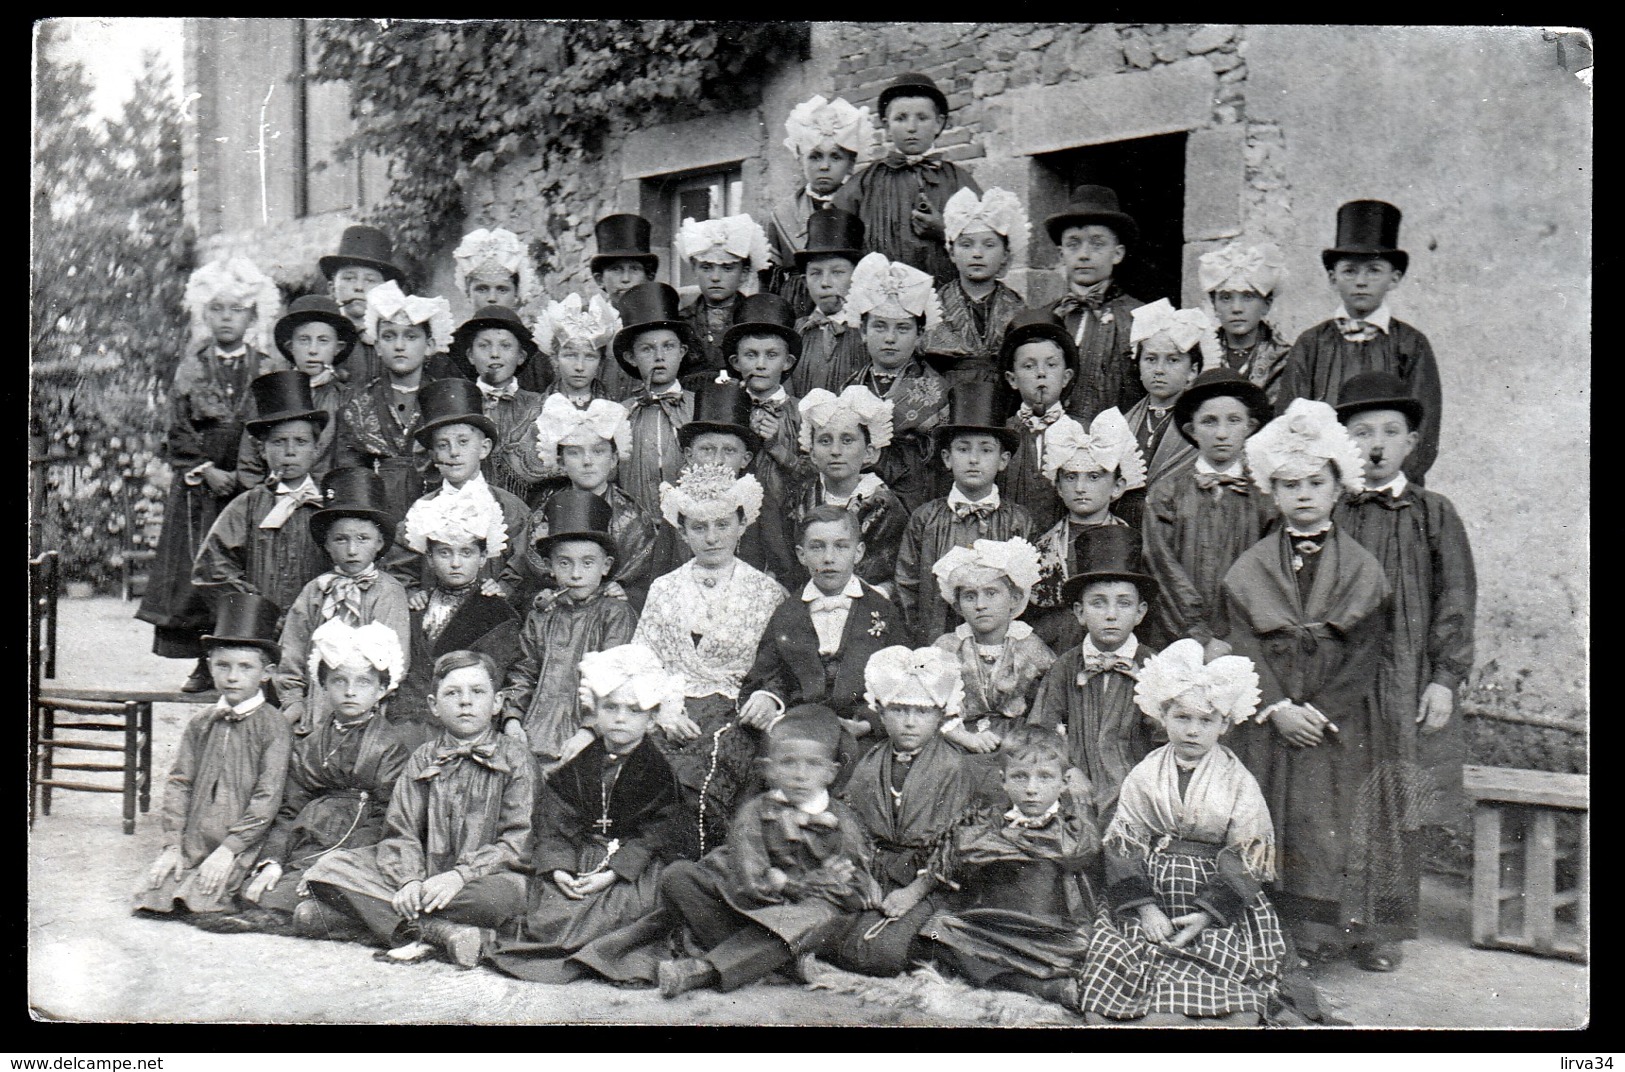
(231, 304)
(261, 541)
(1088, 693)
(984, 236)
(1170, 348)
(498, 348)
(1200, 520)
(493, 268)
(896, 306)
(365, 259)
(832, 352)
(829, 139)
(655, 348)
(1363, 267)
(975, 447)
(901, 196)
(842, 437)
(540, 701)
(353, 526)
(1241, 283)
(315, 338)
(1093, 235)
(226, 782)
(456, 535)
(1418, 537)
(1039, 361)
(763, 348)
(623, 261)
(1310, 607)
(377, 422)
(727, 256)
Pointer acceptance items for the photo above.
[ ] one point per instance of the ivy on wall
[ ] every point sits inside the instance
(440, 100)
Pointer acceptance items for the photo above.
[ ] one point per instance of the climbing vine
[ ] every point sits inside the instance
(441, 100)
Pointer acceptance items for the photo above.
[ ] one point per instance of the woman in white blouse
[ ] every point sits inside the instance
(704, 619)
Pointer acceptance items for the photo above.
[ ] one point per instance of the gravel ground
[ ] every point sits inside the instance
(89, 960)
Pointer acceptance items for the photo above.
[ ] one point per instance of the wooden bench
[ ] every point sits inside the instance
(1526, 823)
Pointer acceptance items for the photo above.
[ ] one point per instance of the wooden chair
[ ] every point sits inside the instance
(67, 724)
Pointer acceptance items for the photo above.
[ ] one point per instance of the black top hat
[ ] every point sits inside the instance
(1215, 383)
(451, 401)
(647, 307)
(764, 314)
(321, 308)
(1031, 324)
(973, 407)
(912, 84)
(721, 406)
(1378, 390)
(491, 316)
(832, 233)
(1367, 228)
(283, 396)
(623, 237)
(353, 492)
(1093, 204)
(1109, 553)
(574, 514)
(367, 246)
(246, 620)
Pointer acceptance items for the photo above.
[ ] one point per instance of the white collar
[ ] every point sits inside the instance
(231, 355)
(779, 394)
(1395, 487)
(853, 590)
(405, 390)
(672, 388)
(310, 482)
(1295, 532)
(1015, 815)
(868, 484)
(253, 703)
(1127, 649)
(472, 486)
(1380, 317)
(818, 805)
(1235, 468)
(1019, 630)
(990, 500)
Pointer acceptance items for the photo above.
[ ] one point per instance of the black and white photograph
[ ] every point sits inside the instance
(810, 524)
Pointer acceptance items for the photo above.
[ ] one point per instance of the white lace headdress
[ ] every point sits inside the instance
(1300, 441)
(388, 304)
(1227, 686)
(493, 253)
(1108, 445)
(235, 280)
(890, 288)
(997, 210)
(855, 403)
(337, 643)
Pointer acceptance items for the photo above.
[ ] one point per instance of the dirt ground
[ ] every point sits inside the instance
(89, 960)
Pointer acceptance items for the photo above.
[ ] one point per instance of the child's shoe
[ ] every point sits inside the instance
(681, 976)
(462, 942)
(315, 918)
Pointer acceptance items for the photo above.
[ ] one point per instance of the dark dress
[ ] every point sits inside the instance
(831, 354)
(884, 195)
(932, 530)
(375, 431)
(1106, 735)
(240, 556)
(480, 623)
(971, 332)
(919, 397)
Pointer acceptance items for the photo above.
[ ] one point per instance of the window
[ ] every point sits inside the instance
(322, 116)
(668, 200)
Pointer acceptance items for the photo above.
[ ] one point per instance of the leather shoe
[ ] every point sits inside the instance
(200, 680)
(1381, 957)
(462, 942)
(681, 976)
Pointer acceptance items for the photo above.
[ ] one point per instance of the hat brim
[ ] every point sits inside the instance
(463, 337)
(685, 334)
(1009, 438)
(791, 337)
(1413, 409)
(270, 647)
(1025, 333)
(1127, 231)
(891, 93)
(544, 544)
(802, 256)
(1397, 257)
(323, 519)
(600, 261)
(282, 335)
(1252, 396)
(693, 429)
(260, 425)
(478, 420)
(331, 263)
(1072, 588)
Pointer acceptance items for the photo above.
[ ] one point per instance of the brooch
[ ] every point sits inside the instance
(877, 627)
(1106, 317)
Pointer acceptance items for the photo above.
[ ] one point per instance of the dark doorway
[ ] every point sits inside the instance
(1149, 177)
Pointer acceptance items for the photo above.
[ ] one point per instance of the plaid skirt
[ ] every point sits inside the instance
(1225, 970)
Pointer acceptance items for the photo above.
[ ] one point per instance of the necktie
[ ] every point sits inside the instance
(1306, 545)
(224, 711)
(1355, 330)
(341, 596)
(826, 604)
(1383, 498)
(1037, 422)
(1219, 482)
(288, 500)
(445, 758)
(1106, 662)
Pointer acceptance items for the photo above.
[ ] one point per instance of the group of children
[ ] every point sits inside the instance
(855, 609)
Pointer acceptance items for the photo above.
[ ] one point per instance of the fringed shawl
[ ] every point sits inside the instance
(1222, 806)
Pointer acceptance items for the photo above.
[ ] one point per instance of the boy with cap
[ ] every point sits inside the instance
(1418, 537)
(794, 869)
(842, 437)
(377, 422)
(984, 237)
(901, 196)
(975, 446)
(498, 348)
(831, 354)
(828, 139)
(1088, 694)
(261, 541)
(1199, 520)
(655, 348)
(1039, 362)
(763, 348)
(231, 304)
(541, 705)
(1094, 234)
(726, 256)
(623, 261)
(365, 259)
(1363, 267)
(351, 526)
(226, 784)
(315, 338)
(896, 306)
(1241, 283)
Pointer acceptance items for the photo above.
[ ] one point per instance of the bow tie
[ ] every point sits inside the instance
(324, 377)
(1037, 422)
(1073, 303)
(965, 511)
(1106, 662)
(341, 596)
(668, 402)
(792, 821)
(1217, 482)
(1357, 330)
(927, 159)
(826, 604)
(773, 406)
(496, 394)
(483, 754)
(1384, 498)
(818, 319)
(819, 201)
(287, 501)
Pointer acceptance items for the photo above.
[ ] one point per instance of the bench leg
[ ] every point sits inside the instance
(146, 756)
(47, 766)
(132, 768)
(1486, 874)
(1540, 880)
